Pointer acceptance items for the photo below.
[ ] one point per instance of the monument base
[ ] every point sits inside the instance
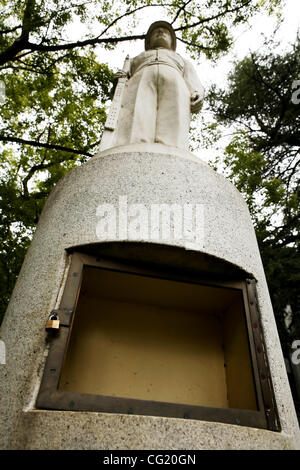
(82, 215)
(66, 430)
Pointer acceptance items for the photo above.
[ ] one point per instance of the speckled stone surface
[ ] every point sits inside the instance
(69, 219)
(70, 430)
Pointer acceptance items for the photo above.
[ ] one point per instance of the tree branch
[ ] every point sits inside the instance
(199, 46)
(263, 81)
(11, 30)
(180, 10)
(27, 69)
(20, 43)
(16, 140)
(33, 169)
(211, 18)
(292, 172)
(23, 43)
(128, 13)
(26, 26)
(87, 42)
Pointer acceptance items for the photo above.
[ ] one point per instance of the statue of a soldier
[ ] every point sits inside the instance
(162, 90)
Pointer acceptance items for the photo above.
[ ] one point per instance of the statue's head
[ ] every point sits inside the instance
(160, 34)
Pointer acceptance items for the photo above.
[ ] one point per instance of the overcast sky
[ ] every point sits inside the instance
(246, 38)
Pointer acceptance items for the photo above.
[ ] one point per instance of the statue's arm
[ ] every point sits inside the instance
(194, 85)
(121, 73)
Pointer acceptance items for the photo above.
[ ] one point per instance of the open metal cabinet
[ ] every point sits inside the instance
(138, 340)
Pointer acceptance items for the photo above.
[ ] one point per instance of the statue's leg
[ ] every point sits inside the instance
(173, 117)
(137, 117)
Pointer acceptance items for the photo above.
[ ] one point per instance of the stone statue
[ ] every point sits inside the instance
(161, 91)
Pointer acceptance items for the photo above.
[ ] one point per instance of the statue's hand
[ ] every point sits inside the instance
(120, 74)
(196, 102)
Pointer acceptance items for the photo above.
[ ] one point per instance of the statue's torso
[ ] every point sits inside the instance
(157, 56)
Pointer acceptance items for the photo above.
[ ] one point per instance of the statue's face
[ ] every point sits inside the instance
(161, 37)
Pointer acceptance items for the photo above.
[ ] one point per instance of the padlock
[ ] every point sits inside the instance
(52, 323)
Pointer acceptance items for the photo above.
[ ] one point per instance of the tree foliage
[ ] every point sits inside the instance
(56, 88)
(262, 105)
